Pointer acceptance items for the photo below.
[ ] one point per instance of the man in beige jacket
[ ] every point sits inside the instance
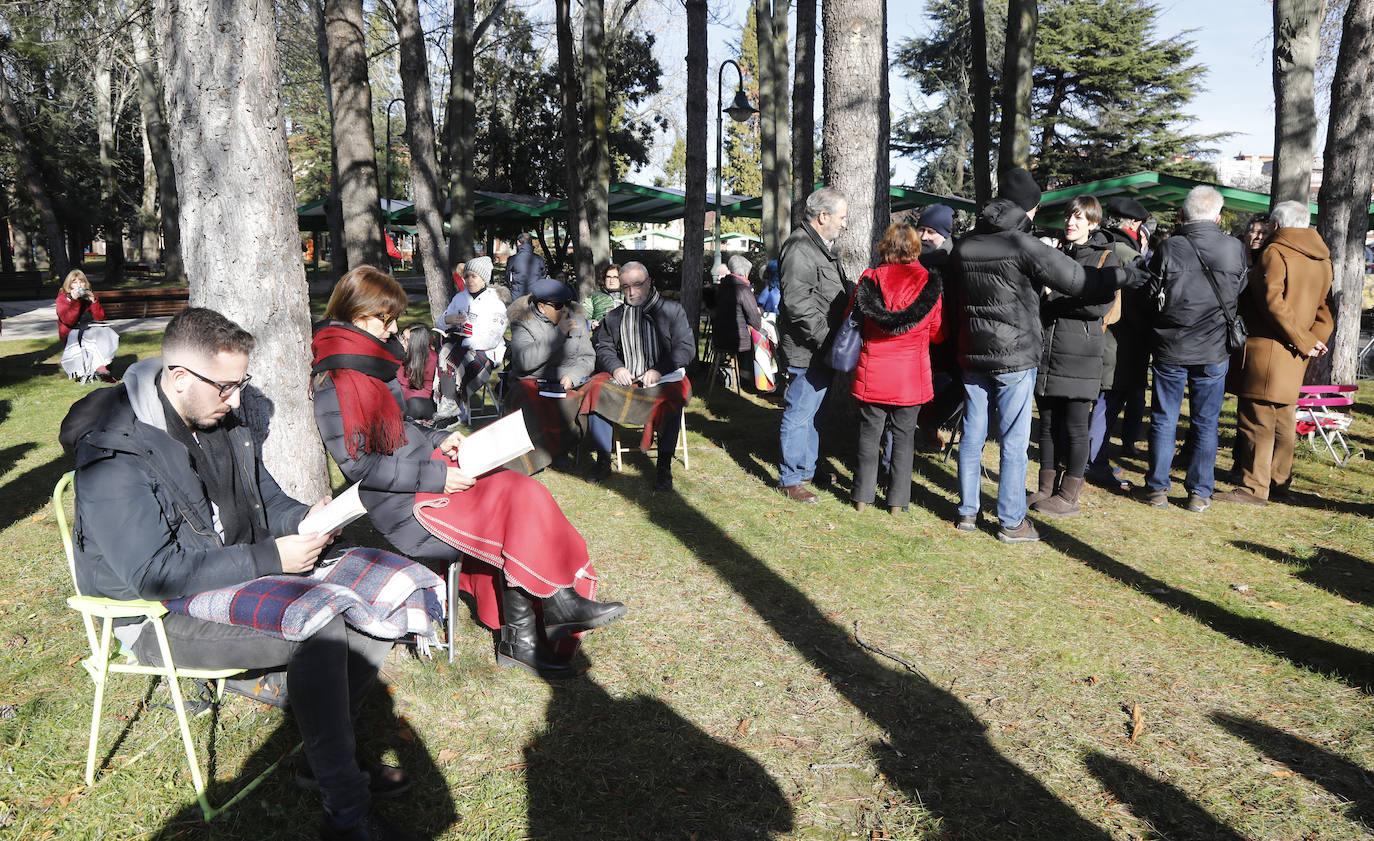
(1287, 312)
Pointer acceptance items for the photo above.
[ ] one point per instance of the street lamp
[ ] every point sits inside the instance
(740, 111)
(386, 204)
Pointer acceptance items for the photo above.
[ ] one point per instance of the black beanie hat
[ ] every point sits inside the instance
(1017, 185)
(939, 218)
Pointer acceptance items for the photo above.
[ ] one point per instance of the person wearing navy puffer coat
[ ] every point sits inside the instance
(900, 305)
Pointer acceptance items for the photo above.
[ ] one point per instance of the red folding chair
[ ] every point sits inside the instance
(1316, 416)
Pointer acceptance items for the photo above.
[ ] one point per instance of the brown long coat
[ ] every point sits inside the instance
(1287, 312)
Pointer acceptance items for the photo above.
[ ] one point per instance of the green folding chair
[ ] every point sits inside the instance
(102, 663)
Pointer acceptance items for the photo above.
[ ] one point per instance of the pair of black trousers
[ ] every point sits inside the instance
(1064, 424)
(327, 677)
(873, 417)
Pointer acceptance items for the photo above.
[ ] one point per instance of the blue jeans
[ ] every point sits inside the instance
(799, 435)
(1009, 398)
(1108, 408)
(1206, 386)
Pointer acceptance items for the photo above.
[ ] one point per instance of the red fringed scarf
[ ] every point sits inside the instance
(360, 366)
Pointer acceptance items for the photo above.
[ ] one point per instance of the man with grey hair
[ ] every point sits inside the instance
(1200, 273)
(1285, 306)
(814, 293)
(735, 312)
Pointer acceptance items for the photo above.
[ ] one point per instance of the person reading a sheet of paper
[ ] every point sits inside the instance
(642, 351)
(173, 504)
(518, 550)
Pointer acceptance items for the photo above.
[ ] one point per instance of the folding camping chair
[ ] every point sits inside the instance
(1315, 417)
(100, 664)
(681, 442)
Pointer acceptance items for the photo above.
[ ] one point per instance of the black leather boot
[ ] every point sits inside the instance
(567, 612)
(519, 646)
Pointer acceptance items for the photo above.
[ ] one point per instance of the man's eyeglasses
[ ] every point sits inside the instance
(557, 306)
(225, 389)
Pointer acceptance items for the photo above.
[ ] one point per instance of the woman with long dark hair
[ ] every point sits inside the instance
(523, 563)
(416, 372)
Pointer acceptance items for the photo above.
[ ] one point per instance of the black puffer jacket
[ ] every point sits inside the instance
(1189, 327)
(944, 357)
(1000, 268)
(389, 482)
(1071, 360)
(144, 523)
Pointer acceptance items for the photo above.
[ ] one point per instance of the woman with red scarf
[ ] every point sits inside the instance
(522, 561)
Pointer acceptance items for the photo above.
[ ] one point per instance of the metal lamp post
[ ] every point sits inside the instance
(386, 203)
(740, 111)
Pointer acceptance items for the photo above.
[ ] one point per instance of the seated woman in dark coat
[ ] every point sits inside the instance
(522, 560)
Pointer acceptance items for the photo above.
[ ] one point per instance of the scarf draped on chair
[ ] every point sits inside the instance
(361, 366)
(638, 338)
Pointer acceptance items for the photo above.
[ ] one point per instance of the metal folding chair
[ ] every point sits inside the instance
(1315, 417)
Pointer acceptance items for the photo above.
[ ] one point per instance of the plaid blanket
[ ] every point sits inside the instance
(634, 406)
(381, 594)
(555, 426)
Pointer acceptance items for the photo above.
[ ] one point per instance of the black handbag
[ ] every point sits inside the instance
(1236, 334)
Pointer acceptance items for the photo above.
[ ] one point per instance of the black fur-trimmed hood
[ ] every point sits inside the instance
(870, 304)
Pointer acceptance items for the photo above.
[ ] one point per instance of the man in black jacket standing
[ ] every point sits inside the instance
(172, 499)
(1000, 269)
(524, 267)
(1190, 342)
(814, 294)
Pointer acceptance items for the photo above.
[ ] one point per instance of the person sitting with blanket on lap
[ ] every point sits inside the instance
(173, 503)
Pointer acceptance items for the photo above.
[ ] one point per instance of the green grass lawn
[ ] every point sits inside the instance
(786, 671)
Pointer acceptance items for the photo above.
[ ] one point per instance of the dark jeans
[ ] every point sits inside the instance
(1205, 385)
(603, 437)
(1064, 434)
(327, 678)
(873, 417)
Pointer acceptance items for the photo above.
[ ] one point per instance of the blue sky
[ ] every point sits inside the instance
(1232, 40)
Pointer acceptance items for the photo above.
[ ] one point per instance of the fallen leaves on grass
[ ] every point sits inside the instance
(447, 755)
(1137, 722)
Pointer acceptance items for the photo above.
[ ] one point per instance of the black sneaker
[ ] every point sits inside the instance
(372, 828)
(1024, 532)
(967, 522)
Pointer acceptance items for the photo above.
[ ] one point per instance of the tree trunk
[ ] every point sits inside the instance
(1018, 72)
(1344, 195)
(111, 224)
(23, 247)
(6, 247)
(150, 104)
(459, 124)
(982, 105)
(768, 127)
(228, 141)
(854, 137)
(595, 147)
(424, 164)
(804, 111)
(149, 248)
(353, 135)
(578, 226)
(33, 182)
(782, 183)
(1297, 36)
(333, 209)
(694, 208)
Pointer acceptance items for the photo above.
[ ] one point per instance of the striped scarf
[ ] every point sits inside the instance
(638, 338)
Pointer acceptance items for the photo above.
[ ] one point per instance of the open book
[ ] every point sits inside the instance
(495, 444)
(342, 510)
(673, 376)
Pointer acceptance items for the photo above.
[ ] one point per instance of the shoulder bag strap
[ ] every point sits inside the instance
(1216, 288)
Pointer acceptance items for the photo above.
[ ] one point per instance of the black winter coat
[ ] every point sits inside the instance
(736, 311)
(1189, 327)
(1000, 268)
(1071, 358)
(1126, 354)
(676, 344)
(144, 524)
(523, 268)
(389, 482)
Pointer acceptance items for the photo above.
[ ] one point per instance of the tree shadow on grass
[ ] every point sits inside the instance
(1163, 807)
(5, 408)
(1336, 572)
(30, 491)
(10, 456)
(632, 768)
(1347, 664)
(25, 366)
(279, 810)
(1346, 780)
(936, 751)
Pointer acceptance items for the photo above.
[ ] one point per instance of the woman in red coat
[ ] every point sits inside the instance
(88, 347)
(900, 306)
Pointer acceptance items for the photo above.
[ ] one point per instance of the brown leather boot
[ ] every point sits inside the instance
(1065, 502)
(1047, 478)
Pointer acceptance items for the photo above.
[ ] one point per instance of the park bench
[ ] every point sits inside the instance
(19, 285)
(143, 303)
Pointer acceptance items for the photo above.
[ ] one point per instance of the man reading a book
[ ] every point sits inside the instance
(173, 500)
(642, 349)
